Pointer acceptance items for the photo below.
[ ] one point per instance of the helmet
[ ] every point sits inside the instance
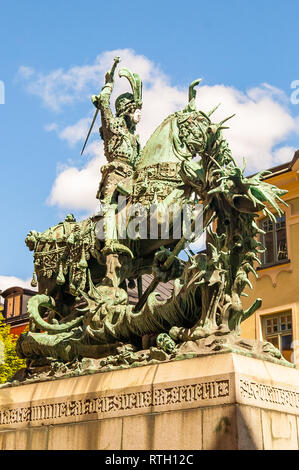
(123, 103)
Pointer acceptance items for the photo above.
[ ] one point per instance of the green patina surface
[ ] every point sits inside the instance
(82, 308)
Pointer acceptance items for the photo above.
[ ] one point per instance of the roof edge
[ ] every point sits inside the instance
(282, 168)
(17, 290)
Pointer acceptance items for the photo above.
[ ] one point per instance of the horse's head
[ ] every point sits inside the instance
(196, 132)
(192, 136)
(167, 159)
(181, 135)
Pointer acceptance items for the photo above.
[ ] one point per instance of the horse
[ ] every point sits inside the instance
(68, 254)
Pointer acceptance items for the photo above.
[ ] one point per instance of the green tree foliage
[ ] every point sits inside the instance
(10, 363)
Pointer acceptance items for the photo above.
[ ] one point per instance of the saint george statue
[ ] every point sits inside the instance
(122, 150)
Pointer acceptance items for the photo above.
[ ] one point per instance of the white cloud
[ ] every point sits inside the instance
(25, 72)
(265, 89)
(73, 133)
(64, 87)
(283, 154)
(75, 189)
(12, 281)
(51, 127)
(260, 124)
(77, 132)
(258, 131)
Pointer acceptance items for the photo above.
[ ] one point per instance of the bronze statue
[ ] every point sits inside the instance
(121, 146)
(82, 308)
(121, 149)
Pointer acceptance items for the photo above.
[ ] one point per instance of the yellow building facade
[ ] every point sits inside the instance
(277, 321)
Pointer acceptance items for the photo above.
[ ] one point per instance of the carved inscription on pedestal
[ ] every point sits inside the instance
(190, 393)
(268, 395)
(109, 404)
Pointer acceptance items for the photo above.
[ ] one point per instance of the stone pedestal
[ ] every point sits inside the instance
(222, 401)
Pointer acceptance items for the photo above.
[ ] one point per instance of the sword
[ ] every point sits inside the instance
(109, 75)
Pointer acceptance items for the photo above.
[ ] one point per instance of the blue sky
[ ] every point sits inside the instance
(53, 57)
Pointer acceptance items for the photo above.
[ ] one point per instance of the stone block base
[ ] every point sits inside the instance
(222, 401)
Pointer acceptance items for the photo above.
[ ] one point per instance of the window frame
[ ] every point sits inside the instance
(274, 232)
(279, 333)
(294, 309)
(13, 300)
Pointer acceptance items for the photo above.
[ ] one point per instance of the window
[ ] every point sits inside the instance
(274, 241)
(13, 306)
(277, 329)
(25, 299)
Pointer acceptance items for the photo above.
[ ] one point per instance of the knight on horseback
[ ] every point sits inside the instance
(121, 148)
